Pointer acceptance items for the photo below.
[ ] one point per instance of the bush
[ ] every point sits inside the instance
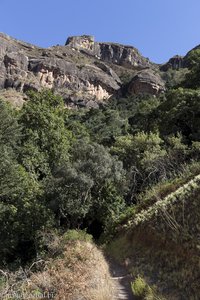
(52, 242)
(139, 287)
(141, 290)
(127, 214)
(77, 235)
(164, 188)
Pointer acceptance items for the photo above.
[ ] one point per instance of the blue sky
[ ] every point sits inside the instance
(158, 28)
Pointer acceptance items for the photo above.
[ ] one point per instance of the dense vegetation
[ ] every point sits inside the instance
(67, 169)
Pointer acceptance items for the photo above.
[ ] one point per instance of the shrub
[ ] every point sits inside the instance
(139, 287)
(164, 188)
(141, 290)
(77, 235)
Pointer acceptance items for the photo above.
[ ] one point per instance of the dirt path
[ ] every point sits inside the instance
(121, 281)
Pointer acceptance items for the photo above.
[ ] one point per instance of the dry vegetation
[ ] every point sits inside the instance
(78, 272)
(161, 243)
(12, 96)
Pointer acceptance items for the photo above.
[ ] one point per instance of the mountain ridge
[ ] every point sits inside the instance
(84, 72)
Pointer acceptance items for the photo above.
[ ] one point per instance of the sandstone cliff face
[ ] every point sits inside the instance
(24, 66)
(82, 71)
(146, 82)
(175, 63)
(126, 56)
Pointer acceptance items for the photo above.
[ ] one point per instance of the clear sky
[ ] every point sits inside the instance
(158, 28)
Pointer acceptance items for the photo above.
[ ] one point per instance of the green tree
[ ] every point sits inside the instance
(192, 79)
(180, 114)
(22, 213)
(76, 191)
(46, 141)
(104, 125)
(10, 131)
(140, 150)
(144, 117)
(143, 156)
(193, 58)
(68, 193)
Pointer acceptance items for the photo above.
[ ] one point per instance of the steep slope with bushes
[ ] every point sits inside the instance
(162, 243)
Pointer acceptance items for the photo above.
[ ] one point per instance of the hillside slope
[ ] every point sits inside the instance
(73, 269)
(162, 243)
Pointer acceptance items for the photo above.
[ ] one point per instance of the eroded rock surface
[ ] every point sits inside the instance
(175, 63)
(24, 66)
(86, 73)
(126, 56)
(146, 82)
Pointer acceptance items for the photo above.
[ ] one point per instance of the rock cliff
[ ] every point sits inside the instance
(146, 81)
(175, 63)
(24, 66)
(83, 71)
(126, 56)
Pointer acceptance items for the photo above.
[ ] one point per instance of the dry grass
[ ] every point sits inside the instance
(161, 243)
(80, 272)
(17, 99)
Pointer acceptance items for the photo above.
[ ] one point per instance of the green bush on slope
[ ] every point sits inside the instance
(142, 291)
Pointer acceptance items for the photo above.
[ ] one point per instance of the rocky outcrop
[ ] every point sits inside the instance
(24, 66)
(126, 56)
(81, 42)
(84, 72)
(176, 62)
(146, 82)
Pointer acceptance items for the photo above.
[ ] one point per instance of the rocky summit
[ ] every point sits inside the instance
(126, 56)
(84, 72)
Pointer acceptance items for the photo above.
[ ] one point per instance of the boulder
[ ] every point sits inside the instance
(146, 82)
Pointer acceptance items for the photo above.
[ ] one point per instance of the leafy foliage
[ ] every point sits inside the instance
(21, 212)
(180, 113)
(46, 141)
(141, 290)
(77, 190)
(67, 169)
